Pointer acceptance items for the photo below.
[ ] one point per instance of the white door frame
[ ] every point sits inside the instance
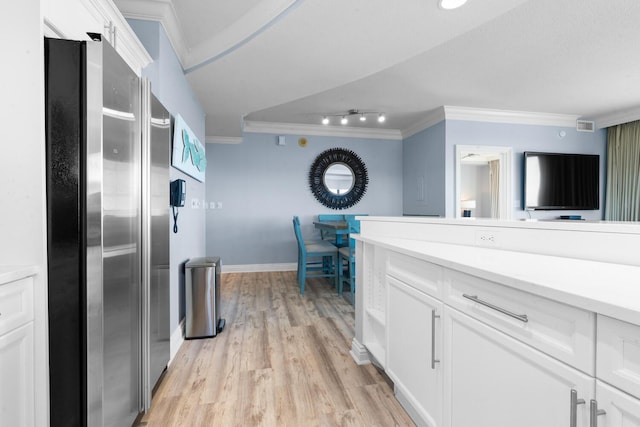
(506, 175)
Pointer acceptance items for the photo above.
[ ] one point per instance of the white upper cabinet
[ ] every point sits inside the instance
(73, 19)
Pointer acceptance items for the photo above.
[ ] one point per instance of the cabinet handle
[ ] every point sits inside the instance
(474, 298)
(573, 417)
(594, 413)
(434, 316)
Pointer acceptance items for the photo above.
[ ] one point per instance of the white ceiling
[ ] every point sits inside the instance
(288, 61)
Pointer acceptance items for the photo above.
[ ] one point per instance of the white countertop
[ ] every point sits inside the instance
(11, 273)
(571, 225)
(605, 288)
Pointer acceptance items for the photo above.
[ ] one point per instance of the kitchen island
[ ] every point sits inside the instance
(501, 323)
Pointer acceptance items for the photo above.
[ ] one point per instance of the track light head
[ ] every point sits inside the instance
(344, 117)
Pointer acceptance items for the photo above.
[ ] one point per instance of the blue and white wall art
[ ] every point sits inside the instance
(188, 152)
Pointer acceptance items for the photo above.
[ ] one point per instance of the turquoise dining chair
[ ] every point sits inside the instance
(318, 258)
(347, 258)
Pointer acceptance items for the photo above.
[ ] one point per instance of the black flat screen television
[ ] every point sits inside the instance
(556, 181)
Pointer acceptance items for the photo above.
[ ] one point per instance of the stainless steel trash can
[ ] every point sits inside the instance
(202, 298)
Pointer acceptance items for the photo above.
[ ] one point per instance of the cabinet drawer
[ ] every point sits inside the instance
(618, 350)
(562, 331)
(16, 304)
(419, 274)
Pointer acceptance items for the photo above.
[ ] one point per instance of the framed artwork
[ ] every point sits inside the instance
(188, 153)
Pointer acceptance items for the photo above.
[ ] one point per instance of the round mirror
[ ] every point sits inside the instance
(338, 178)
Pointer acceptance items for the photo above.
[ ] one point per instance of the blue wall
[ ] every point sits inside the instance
(431, 154)
(262, 185)
(523, 138)
(424, 172)
(170, 86)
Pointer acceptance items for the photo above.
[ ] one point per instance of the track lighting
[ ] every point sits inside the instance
(344, 117)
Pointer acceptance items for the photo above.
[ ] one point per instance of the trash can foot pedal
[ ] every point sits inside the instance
(221, 323)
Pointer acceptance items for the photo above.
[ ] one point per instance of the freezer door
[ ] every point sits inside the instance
(159, 330)
(121, 239)
(64, 65)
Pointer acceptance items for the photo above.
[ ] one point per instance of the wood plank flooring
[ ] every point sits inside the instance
(282, 360)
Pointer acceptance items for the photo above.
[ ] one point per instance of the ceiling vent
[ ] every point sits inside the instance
(585, 126)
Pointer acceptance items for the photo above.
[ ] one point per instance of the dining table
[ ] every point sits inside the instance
(339, 228)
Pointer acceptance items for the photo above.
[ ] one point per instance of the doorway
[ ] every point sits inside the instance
(483, 181)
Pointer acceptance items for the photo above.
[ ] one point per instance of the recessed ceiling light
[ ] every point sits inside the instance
(344, 120)
(451, 4)
(325, 120)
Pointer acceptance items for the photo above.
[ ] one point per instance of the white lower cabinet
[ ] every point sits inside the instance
(493, 380)
(614, 408)
(17, 390)
(464, 351)
(16, 377)
(414, 350)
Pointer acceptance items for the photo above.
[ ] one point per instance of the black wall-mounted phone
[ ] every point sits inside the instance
(178, 192)
(177, 195)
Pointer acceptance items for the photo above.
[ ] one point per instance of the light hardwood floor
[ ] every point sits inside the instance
(282, 360)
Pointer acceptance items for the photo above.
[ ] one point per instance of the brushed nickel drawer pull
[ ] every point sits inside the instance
(573, 414)
(434, 316)
(594, 413)
(474, 298)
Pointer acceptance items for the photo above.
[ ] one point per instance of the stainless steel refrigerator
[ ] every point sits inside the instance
(101, 282)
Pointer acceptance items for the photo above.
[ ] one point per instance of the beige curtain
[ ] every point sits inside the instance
(494, 187)
(623, 173)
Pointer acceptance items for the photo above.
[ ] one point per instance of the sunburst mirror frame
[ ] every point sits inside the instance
(320, 190)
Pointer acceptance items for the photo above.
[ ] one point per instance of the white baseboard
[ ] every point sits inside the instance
(176, 341)
(359, 353)
(255, 268)
(409, 408)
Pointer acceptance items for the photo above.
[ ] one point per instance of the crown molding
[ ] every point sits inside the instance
(448, 112)
(618, 118)
(223, 139)
(162, 11)
(321, 130)
(506, 116)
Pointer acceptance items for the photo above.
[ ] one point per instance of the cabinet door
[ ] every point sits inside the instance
(412, 359)
(618, 361)
(494, 380)
(16, 377)
(621, 410)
